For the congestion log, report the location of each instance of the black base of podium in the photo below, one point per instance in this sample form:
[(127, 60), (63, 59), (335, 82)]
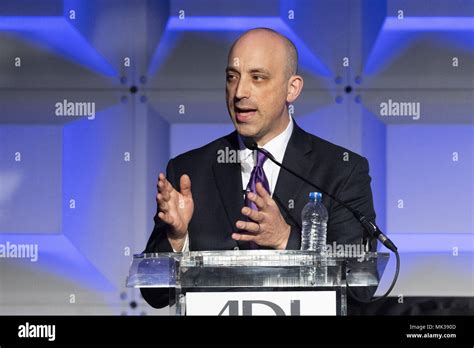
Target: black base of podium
[(412, 306)]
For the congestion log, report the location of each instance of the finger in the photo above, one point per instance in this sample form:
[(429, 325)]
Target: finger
[(259, 202), (167, 185), (248, 226), (159, 185), (185, 185), (161, 177), (243, 237), (160, 198), (165, 195), (262, 192), (165, 218), (253, 214), (163, 185), (163, 206)]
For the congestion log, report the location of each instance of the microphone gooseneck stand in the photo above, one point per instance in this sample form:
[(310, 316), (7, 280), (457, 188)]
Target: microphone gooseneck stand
[(370, 226)]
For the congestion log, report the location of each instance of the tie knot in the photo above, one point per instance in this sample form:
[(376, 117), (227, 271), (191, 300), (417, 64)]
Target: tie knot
[(261, 158)]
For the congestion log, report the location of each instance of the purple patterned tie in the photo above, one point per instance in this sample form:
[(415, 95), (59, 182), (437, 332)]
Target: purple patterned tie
[(257, 175)]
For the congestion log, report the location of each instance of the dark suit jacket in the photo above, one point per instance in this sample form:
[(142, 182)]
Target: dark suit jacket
[(218, 198)]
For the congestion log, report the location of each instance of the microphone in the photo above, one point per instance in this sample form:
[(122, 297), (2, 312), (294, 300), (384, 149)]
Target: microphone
[(368, 225)]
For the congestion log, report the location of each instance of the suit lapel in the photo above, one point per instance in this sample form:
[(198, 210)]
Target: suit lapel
[(288, 187), (228, 179)]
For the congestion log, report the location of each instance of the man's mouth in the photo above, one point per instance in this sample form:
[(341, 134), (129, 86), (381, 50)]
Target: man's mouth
[(244, 114)]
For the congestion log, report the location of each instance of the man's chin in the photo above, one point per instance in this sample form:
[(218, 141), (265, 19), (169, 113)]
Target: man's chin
[(246, 130)]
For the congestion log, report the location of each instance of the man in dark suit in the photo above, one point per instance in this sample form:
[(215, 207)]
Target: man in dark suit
[(214, 214)]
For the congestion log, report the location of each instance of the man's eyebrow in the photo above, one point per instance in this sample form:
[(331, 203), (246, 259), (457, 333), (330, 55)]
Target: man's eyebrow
[(251, 71), (259, 70), (231, 68)]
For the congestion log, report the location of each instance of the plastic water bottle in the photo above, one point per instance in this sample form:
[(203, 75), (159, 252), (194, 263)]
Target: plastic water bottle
[(314, 218)]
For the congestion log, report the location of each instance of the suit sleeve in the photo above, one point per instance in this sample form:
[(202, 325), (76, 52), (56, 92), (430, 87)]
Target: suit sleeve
[(158, 242), (343, 227), (294, 240)]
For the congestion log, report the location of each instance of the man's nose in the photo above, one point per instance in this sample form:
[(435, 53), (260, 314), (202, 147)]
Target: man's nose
[(242, 91)]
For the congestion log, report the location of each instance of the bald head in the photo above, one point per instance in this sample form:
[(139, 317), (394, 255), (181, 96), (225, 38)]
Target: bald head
[(270, 35), (261, 82)]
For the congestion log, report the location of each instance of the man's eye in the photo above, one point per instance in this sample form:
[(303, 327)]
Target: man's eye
[(258, 78), (231, 77)]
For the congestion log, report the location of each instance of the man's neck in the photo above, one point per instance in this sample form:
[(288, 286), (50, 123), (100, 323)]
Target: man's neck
[(268, 137)]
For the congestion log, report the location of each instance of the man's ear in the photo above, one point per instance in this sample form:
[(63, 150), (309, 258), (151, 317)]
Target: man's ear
[(295, 85)]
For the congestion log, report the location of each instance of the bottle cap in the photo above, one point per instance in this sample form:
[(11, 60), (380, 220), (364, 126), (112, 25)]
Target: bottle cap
[(315, 196)]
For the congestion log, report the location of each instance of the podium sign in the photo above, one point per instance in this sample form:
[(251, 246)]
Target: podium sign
[(257, 282), (248, 303)]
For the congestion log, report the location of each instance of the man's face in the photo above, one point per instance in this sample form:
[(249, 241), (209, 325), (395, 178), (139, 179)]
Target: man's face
[(257, 86)]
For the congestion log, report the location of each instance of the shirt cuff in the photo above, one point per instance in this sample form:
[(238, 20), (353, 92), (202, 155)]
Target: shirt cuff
[(185, 245)]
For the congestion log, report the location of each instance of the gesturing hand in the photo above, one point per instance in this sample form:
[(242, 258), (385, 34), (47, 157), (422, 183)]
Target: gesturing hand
[(176, 208), (267, 228)]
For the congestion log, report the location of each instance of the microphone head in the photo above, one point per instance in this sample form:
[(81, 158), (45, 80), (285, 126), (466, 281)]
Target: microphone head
[(249, 143), (252, 145)]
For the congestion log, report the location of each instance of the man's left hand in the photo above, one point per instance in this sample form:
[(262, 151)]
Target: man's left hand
[(267, 228)]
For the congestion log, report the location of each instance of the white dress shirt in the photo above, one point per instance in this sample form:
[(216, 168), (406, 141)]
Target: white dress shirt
[(277, 147)]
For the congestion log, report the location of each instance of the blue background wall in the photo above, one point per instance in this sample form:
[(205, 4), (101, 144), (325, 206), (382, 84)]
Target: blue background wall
[(84, 190)]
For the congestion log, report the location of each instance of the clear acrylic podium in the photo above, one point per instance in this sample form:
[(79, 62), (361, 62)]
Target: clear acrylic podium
[(256, 270)]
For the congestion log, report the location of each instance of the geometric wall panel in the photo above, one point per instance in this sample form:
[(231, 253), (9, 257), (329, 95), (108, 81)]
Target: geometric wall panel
[(197, 135), (30, 179), (430, 173), (84, 190)]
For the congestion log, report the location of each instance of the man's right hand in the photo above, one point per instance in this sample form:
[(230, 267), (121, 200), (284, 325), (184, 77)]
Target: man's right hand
[(176, 208)]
